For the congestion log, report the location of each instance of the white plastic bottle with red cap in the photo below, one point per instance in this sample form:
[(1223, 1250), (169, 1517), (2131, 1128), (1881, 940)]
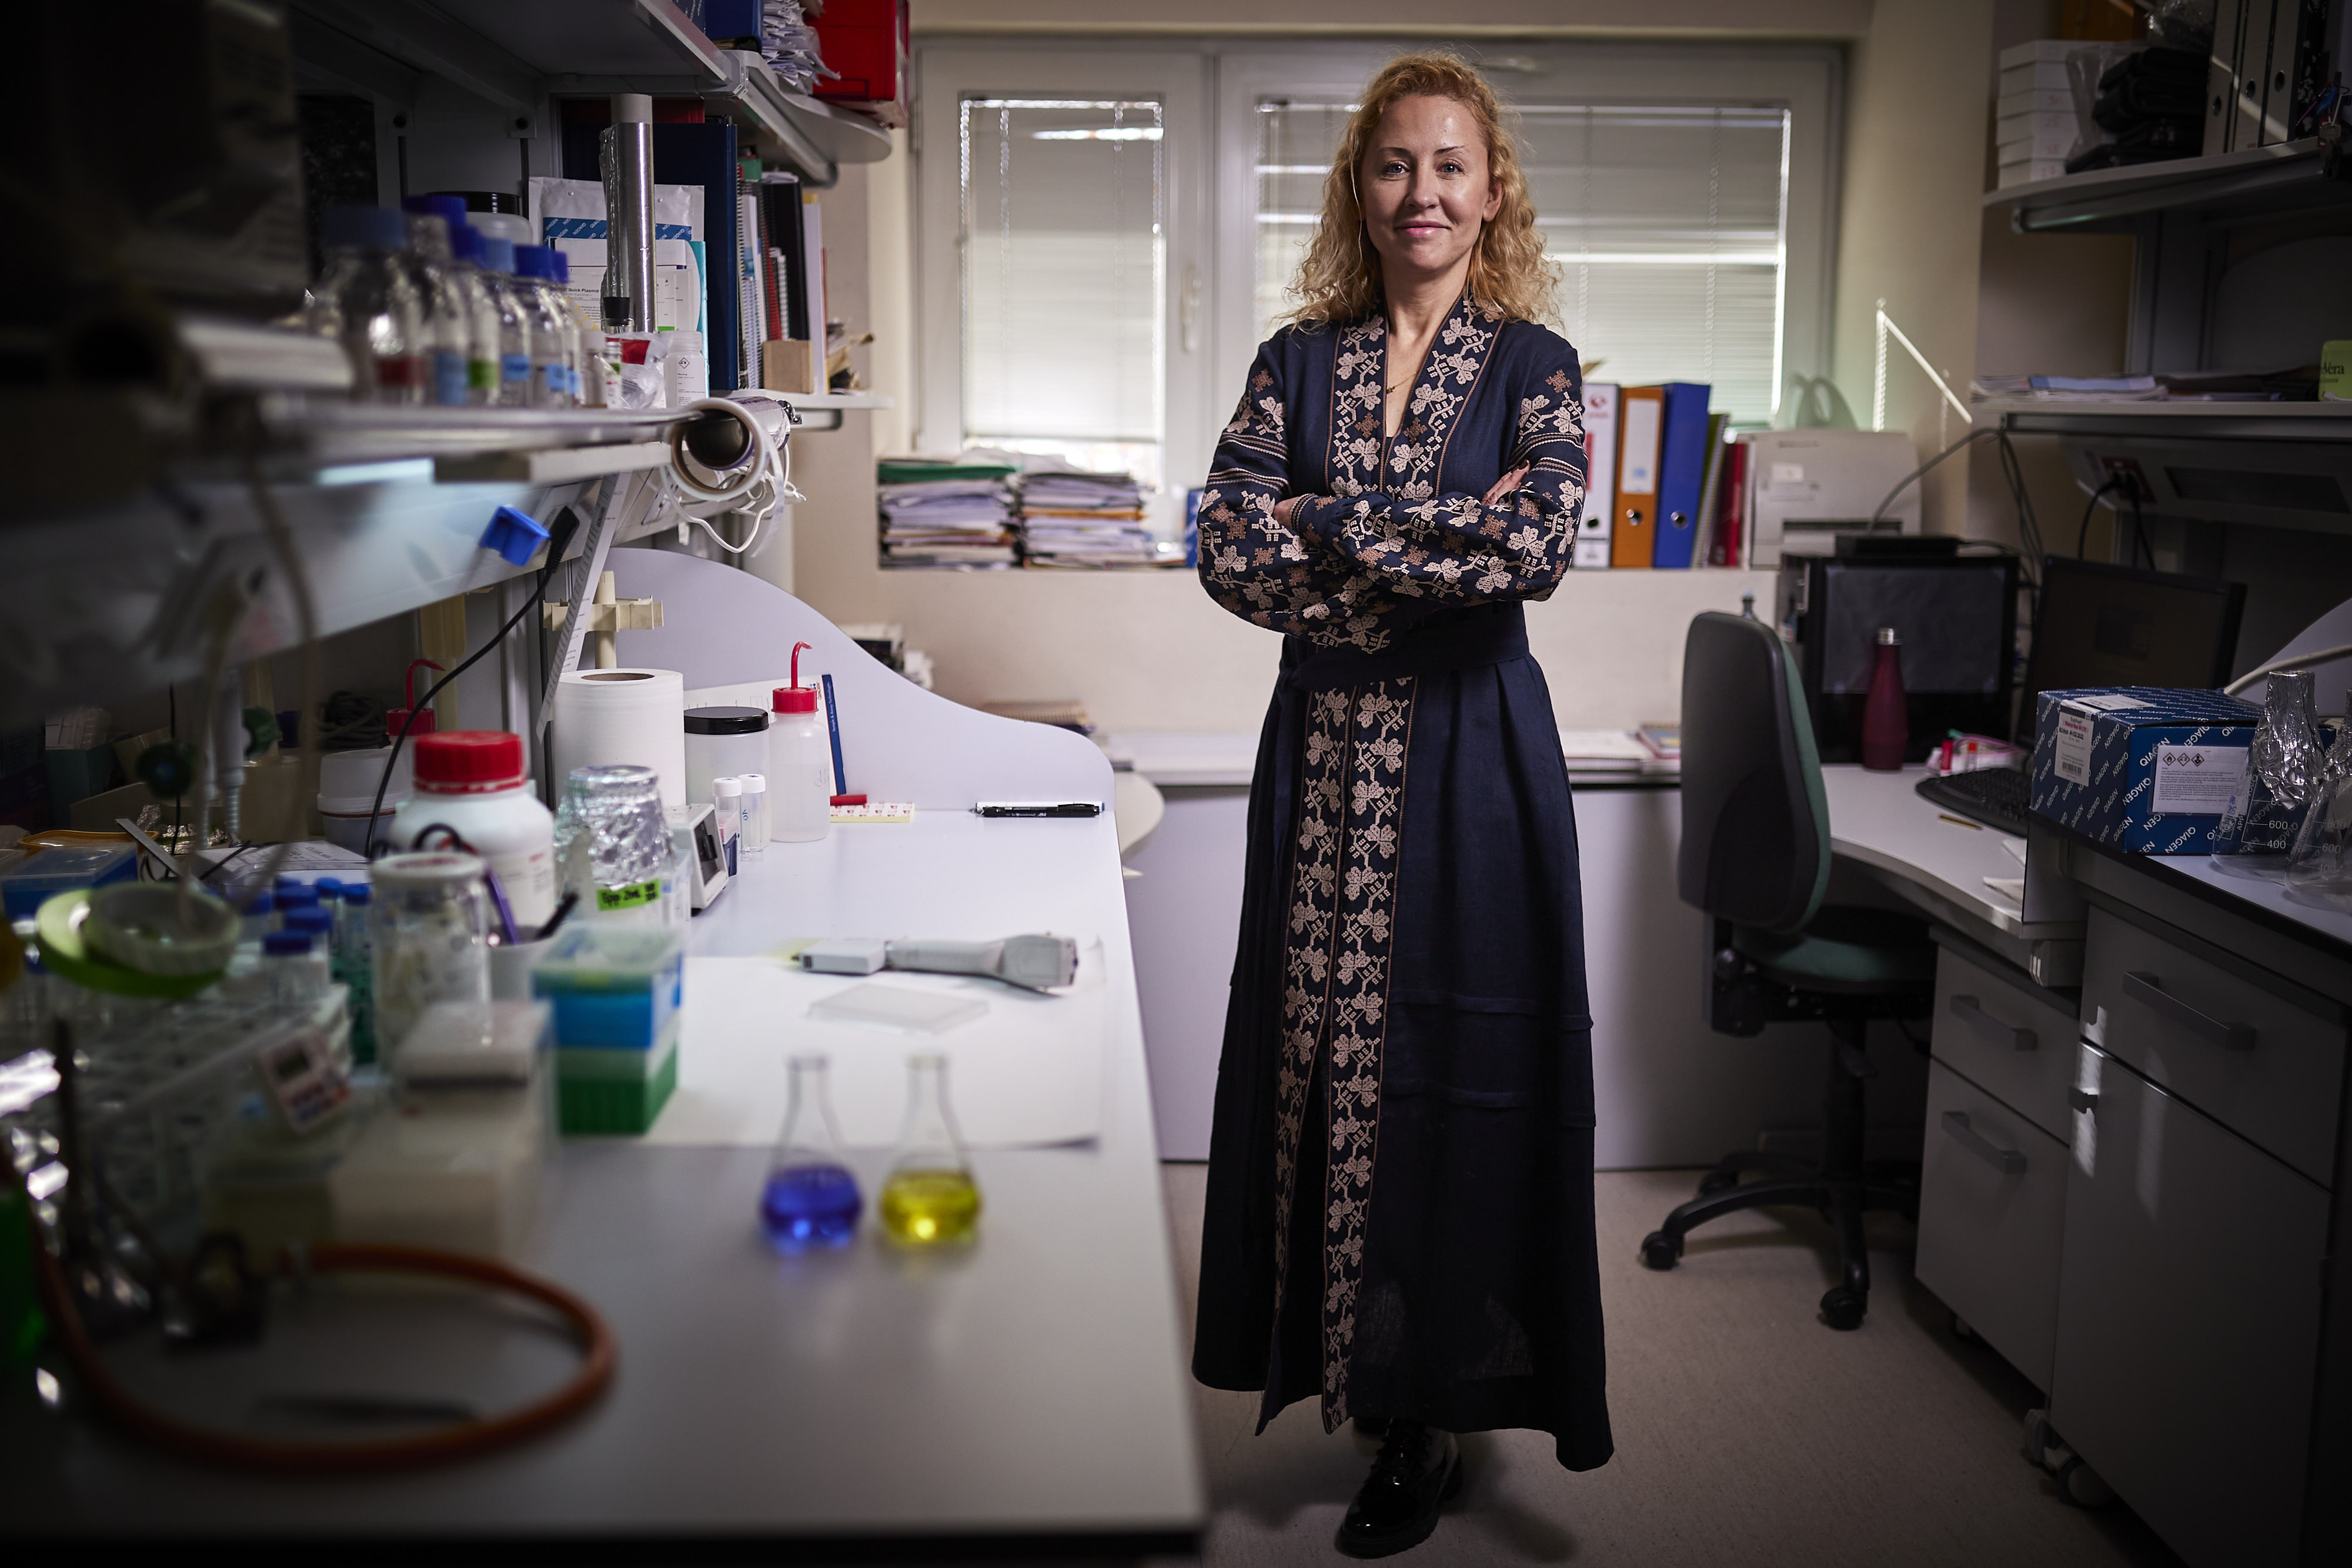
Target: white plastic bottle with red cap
[(800, 765), (473, 782)]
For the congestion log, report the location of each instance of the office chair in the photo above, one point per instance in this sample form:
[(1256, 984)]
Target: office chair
[(1756, 858)]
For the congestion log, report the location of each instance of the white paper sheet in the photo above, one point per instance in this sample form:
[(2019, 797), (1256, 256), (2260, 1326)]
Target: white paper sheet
[(1027, 1073)]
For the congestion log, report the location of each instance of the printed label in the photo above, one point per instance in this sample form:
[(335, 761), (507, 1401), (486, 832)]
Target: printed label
[(448, 378), (515, 367), (2073, 751), (631, 896), (2198, 781)]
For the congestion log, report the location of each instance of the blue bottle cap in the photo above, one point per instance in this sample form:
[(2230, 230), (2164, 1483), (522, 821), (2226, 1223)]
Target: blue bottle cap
[(297, 898), (562, 264), (287, 943), (357, 893), (451, 209), (379, 227), (530, 261), (329, 887), (498, 255), (465, 243), (516, 536), (311, 922), (288, 884)]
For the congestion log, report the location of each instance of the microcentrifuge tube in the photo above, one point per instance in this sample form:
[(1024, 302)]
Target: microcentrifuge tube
[(811, 1201)]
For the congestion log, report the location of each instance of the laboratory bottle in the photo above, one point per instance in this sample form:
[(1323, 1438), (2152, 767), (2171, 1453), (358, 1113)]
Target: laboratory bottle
[(296, 975), (448, 320), (473, 782), (514, 323), (550, 363), (753, 835), (613, 844), (2257, 832), (810, 1199), (1885, 726), (930, 1198), (799, 764), (429, 926), (575, 346), (366, 300), (482, 364)]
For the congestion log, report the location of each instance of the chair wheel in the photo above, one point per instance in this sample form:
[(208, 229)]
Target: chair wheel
[(1718, 1181), (1660, 1251), (1842, 1309), (2080, 1486)]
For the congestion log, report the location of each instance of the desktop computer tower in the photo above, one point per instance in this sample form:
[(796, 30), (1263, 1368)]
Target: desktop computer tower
[(1957, 617)]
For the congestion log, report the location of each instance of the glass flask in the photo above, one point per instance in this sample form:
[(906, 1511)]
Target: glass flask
[(811, 1201), (613, 844), (2256, 833), (930, 1198), (2319, 867)]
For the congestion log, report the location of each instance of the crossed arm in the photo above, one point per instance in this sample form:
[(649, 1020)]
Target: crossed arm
[(1350, 569)]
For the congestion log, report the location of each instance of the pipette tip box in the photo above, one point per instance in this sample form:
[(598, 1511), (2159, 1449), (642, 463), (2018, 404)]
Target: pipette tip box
[(615, 991)]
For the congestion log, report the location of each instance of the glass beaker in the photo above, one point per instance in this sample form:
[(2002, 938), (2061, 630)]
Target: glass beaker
[(930, 1198), (429, 926), (2319, 867), (613, 844), (2282, 767), (810, 1199)]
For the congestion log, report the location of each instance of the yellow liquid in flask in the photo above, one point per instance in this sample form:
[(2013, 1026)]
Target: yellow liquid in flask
[(928, 1209)]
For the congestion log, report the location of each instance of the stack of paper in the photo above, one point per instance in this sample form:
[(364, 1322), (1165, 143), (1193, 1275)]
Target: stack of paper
[(1070, 518), (946, 514)]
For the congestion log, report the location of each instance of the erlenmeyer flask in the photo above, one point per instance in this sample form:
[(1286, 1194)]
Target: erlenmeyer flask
[(2319, 867), (2255, 835), (930, 1198), (810, 1199)]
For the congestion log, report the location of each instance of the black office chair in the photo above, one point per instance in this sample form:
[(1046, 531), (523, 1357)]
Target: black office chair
[(1756, 858)]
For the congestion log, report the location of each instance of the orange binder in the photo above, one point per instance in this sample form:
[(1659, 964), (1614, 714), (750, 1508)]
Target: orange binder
[(1640, 418)]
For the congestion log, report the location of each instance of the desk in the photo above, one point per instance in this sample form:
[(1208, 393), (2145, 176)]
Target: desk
[(1027, 1396)]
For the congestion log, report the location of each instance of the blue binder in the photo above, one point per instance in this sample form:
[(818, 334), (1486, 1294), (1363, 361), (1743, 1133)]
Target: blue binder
[(1682, 473)]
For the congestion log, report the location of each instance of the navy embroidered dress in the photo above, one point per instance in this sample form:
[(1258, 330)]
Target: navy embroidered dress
[(1400, 1198)]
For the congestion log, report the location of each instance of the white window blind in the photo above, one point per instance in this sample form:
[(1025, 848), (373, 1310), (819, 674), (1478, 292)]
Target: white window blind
[(1668, 226), (1064, 279)]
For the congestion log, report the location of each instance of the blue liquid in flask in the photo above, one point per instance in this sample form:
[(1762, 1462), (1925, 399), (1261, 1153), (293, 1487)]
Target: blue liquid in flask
[(806, 1208)]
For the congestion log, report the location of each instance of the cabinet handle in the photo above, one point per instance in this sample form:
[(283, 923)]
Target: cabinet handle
[(1966, 1010), (2011, 1161), (2148, 989)]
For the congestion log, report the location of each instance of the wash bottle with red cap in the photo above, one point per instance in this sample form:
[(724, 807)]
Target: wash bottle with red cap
[(800, 765)]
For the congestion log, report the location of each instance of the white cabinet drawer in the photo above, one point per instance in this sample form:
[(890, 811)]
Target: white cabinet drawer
[(2004, 1037), (1992, 1212), (2255, 1062)]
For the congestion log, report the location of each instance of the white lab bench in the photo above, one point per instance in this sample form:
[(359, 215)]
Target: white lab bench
[(1027, 1396)]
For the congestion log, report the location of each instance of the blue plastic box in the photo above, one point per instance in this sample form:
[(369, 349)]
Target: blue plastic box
[(612, 987), (2146, 769), (28, 883)]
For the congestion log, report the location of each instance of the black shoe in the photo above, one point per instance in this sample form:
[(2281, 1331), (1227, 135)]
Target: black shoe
[(1419, 1470)]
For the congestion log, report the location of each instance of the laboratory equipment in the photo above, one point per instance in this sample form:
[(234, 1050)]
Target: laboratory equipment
[(702, 872), (1034, 962), (626, 157), (428, 926), (800, 765), (615, 991), (810, 1199), (308, 1081), (549, 321), (726, 820), (611, 842), (28, 884), (351, 960), (473, 782), (498, 266), (366, 300), (754, 832), (930, 1198), (723, 742), (447, 311), (149, 928), (1886, 732), (483, 367), (2319, 866), (294, 974), (2258, 827)]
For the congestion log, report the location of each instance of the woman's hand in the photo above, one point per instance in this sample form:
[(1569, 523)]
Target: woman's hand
[(1504, 485), (1287, 508)]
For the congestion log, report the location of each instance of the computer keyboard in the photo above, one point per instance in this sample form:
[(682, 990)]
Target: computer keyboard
[(1993, 796)]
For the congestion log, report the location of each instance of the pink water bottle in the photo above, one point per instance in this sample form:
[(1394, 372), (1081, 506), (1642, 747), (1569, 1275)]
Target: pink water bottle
[(1885, 728)]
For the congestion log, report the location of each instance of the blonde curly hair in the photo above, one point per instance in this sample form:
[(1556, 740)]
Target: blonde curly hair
[(1339, 279)]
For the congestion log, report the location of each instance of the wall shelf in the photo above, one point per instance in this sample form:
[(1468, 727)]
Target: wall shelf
[(2330, 422), (2260, 181)]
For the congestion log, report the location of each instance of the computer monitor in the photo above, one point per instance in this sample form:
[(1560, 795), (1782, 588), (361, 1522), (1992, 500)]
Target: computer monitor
[(2100, 625)]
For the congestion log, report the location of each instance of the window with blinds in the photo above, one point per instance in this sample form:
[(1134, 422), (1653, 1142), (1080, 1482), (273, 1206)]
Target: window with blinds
[(1064, 279), (1667, 226)]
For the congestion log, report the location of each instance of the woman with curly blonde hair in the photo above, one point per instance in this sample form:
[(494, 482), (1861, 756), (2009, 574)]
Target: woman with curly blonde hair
[(1400, 1204)]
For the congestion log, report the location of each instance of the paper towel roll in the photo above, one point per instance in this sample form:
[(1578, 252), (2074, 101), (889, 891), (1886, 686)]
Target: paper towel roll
[(604, 716)]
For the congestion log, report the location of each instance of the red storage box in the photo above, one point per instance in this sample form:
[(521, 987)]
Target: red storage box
[(865, 42)]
